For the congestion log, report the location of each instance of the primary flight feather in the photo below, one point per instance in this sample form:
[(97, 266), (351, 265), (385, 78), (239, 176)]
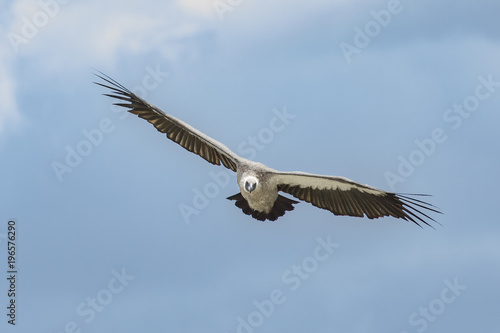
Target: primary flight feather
[(259, 185)]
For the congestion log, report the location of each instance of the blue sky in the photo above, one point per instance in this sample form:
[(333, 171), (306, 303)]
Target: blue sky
[(402, 95)]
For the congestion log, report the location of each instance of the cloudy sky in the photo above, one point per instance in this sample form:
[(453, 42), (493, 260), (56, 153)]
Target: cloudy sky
[(119, 229)]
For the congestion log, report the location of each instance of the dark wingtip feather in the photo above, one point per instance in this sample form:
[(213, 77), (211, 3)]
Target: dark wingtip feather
[(416, 208), (109, 80)]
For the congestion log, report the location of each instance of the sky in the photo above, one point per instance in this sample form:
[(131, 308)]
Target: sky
[(119, 229)]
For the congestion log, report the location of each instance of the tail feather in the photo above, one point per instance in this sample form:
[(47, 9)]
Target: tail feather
[(281, 206)]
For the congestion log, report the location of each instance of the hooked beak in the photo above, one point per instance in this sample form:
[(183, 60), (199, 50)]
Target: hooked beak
[(250, 186)]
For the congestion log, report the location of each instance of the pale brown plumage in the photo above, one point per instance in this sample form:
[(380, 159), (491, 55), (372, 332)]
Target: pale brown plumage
[(339, 195)]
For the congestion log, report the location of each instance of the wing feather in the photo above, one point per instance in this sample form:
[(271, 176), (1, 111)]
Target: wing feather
[(176, 130), (342, 196)]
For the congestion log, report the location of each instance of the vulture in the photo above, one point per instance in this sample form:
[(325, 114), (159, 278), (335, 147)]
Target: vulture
[(260, 185)]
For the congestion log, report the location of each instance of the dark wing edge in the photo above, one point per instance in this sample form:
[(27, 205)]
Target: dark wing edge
[(342, 196), (176, 130)]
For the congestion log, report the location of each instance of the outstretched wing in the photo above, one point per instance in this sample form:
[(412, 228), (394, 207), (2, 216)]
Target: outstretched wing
[(342, 196), (176, 130)]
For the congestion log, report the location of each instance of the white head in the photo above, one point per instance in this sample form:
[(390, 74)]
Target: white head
[(250, 183)]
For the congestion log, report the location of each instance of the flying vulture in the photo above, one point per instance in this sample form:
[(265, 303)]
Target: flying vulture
[(259, 185)]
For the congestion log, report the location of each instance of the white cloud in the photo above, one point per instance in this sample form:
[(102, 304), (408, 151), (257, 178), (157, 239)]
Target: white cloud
[(70, 37), (9, 113), (197, 7), (96, 35)]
